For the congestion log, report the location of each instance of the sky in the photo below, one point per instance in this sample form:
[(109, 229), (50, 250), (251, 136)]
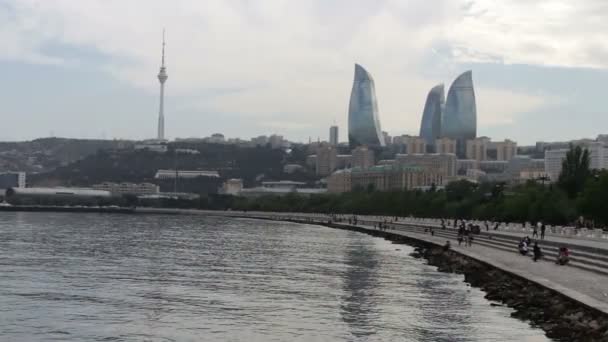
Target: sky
[(87, 68)]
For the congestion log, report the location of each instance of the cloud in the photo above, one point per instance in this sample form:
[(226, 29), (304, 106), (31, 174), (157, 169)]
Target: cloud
[(295, 58)]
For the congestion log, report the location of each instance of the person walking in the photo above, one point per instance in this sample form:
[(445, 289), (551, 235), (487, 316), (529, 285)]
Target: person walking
[(467, 236), (537, 252), (542, 231), (535, 230), (460, 235)]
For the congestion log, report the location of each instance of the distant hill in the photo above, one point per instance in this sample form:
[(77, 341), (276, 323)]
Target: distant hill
[(252, 164), (46, 154)]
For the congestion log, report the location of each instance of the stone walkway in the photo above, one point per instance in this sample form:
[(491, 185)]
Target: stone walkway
[(573, 241)]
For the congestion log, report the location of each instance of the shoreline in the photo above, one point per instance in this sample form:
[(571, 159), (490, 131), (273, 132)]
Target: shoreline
[(562, 317), (564, 314)]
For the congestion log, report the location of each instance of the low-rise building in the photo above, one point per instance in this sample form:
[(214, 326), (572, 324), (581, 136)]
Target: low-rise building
[(363, 157), (503, 150), (445, 145), (12, 180), (384, 178), (232, 186), (327, 160), (463, 165), (128, 188), (444, 164), (280, 188), (172, 174), (477, 149)]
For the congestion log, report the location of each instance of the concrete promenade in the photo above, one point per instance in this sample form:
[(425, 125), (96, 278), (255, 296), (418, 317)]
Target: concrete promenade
[(587, 287)]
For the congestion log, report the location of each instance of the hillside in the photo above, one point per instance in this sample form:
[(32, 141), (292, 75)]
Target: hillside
[(252, 164), (46, 154)]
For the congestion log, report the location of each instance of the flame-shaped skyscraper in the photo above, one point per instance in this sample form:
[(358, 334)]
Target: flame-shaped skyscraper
[(162, 77), (363, 123)]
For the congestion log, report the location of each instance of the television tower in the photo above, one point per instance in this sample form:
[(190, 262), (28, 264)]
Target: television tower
[(162, 77)]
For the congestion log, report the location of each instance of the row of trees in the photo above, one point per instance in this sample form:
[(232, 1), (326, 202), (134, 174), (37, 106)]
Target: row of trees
[(578, 192)]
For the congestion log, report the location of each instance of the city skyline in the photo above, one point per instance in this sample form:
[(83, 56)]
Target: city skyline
[(84, 69)]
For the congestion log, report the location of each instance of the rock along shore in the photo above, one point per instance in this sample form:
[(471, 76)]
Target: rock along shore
[(562, 318)]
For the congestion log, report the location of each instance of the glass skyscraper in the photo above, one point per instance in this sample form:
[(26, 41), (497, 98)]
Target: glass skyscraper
[(459, 119), (363, 123), (430, 127)]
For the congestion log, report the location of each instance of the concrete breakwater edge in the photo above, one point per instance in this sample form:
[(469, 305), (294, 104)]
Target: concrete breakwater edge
[(561, 317)]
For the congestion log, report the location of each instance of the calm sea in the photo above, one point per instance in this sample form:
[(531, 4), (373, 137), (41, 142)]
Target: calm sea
[(103, 277)]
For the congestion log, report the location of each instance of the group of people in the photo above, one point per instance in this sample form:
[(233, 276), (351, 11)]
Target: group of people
[(465, 234), (524, 247), (563, 256)]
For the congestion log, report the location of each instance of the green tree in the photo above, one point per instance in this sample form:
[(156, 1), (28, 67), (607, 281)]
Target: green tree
[(575, 171), (593, 199)]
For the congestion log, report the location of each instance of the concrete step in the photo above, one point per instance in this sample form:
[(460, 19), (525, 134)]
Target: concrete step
[(576, 257)]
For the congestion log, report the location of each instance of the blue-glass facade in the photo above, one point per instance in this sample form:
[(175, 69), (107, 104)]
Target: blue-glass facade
[(430, 127), (459, 119), (363, 123)]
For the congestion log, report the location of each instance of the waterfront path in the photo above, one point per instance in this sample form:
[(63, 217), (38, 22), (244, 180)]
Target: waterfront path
[(587, 287)]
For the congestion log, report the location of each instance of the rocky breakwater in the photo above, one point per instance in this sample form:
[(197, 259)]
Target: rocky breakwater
[(562, 318)]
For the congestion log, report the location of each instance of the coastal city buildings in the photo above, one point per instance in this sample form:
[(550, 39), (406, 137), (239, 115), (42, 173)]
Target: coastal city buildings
[(430, 126), (459, 119), (363, 122), (363, 157), (333, 135), (445, 145), (12, 180), (128, 188), (384, 178), (477, 149), (414, 145), (327, 160), (232, 186), (186, 174)]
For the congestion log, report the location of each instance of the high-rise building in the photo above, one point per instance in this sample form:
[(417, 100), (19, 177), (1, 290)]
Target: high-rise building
[(363, 157), (327, 160), (445, 145), (553, 162), (162, 77), (598, 159), (333, 135), (430, 126), (363, 123), (388, 140), (459, 119), (477, 149)]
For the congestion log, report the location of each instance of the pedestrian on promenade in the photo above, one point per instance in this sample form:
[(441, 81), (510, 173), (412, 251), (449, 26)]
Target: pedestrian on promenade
[(460, 235), (447, 246), (535, 229), (496, 226), (537, 252), (523, 247), (467, 236), (542, 231), (563, 256)]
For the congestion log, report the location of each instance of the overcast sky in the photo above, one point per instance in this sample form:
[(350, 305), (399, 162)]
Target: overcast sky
[(87, 68)]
